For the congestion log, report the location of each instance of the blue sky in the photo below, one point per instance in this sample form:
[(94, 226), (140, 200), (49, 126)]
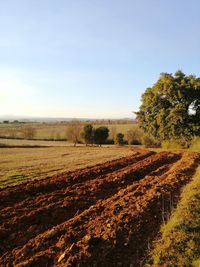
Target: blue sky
[(91, 58)]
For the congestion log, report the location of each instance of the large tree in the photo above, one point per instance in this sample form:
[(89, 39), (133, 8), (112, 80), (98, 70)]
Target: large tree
[(171, 107)]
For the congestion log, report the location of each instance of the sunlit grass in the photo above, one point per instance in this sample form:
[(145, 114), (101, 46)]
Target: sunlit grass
[(180, 241)]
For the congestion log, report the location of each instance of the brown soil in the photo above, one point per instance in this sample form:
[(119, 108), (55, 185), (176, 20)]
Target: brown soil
[(105, 215)]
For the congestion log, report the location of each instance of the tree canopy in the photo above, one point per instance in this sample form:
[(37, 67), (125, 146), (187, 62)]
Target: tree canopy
[(119, 139), (171, 107), (88, 133), (100, 135)]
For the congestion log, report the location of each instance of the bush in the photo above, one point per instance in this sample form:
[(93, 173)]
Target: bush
[(109, 142), (149, 141), (175, 144), (170, 144), (134, 136), (119, 139)]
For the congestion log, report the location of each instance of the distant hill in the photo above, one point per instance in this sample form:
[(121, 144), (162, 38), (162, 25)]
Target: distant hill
[(51, 119)]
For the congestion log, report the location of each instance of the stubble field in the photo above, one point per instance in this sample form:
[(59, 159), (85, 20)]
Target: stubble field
[(22, 164)]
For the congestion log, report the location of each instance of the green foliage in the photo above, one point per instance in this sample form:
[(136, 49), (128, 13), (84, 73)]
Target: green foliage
[(171, 108), (100, 135), (175, 144), (193, 145), (119, 139), (88, 134), (171, 144)]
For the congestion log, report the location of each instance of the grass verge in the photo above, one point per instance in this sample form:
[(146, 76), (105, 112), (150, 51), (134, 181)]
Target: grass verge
[(179, 244)]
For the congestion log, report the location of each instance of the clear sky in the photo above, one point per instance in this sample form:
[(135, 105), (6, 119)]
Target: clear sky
[(91, 58)]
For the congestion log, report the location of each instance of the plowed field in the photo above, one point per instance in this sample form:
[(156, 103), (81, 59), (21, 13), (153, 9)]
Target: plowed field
[(105, 215)]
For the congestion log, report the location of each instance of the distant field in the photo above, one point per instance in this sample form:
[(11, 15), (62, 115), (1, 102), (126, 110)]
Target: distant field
[(45, 143), (21, 164), (55, 131)]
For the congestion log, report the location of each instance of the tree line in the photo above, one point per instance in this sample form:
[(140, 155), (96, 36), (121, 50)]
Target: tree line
[(88, 134), (91, 135)]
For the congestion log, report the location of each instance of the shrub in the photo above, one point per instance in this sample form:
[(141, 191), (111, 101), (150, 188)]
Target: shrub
[(134, 136), (170, 144), (149, 141), (175, 144), (119, 139), (109, 142)]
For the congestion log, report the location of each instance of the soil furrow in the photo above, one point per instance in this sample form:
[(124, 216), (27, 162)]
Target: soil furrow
[(44, 198), (114, 232), (117, 220), (11, 195), (58, 197), (85, 195)]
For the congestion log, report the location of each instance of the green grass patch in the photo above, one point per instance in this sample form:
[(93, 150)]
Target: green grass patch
[(179, 244)]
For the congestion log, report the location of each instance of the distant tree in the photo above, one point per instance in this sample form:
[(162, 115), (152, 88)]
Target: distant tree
[(88, 134), (28, 132), (6, 122), (119, 139), (73, 132), (171, 108), (100, 135)]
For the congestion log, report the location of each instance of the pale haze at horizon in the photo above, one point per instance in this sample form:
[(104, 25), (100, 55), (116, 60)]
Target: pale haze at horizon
[(91, 59)]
